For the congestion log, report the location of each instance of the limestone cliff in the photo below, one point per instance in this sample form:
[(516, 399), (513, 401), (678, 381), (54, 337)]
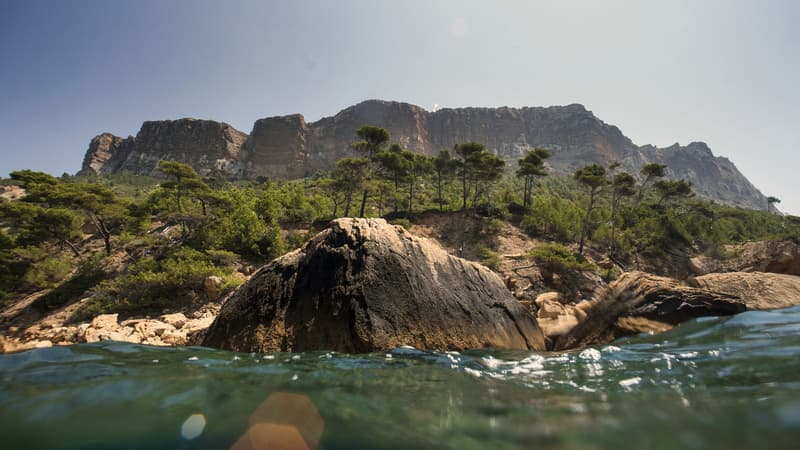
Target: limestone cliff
[(290, 147), (213, 148)]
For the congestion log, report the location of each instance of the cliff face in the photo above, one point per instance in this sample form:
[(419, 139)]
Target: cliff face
[(289, 147), (210, 147)]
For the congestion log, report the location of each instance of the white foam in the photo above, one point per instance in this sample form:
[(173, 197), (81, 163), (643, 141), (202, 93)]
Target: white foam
[(629, 382), (473, 372), (591, 354)]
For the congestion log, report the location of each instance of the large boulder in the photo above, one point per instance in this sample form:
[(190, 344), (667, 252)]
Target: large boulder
[(656, 302), (363, 285), (758, 290)]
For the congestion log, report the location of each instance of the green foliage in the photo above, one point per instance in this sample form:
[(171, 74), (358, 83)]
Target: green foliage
[(179, 230), (88, 275), (673, 189), (489, 257), (44, 271), (492, 226), (372, 140), (530, 166), (402, 221), (553, 218), (152, 284), (558, 259)]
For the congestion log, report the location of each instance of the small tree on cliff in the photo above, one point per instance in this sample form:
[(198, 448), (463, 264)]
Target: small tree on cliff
[(350, 175), (530, 166), (469, 153), (444, 167), (650, 171), (184, 180), (373, 139), (673, 189), (395, 166), (594, 178), (623, 184), (418, 165), (99, 205), (488, 168), (33, 224), (770, 201)]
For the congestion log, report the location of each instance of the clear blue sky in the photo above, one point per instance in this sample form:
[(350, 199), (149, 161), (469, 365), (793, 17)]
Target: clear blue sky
[(724, 72)]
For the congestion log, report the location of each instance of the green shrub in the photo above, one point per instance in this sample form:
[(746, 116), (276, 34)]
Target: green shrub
[(88, 275), (492, 226), (558, 259), (153, 284), (553, 218), (402, 221), (47, 272), (489, 257)]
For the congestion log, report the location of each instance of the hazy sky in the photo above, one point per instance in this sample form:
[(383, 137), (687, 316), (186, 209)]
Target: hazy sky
[(723, 72)]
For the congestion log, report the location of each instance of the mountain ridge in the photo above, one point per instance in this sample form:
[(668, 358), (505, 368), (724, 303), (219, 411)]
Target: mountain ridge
[(290, 147)]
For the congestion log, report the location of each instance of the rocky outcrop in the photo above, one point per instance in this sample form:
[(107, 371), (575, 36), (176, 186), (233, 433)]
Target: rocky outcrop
[(758, 256), (173, 329), (363, 285), (654, 303), (212, 148), (712, 177), (757, 290), (277, 148), (288, 147)]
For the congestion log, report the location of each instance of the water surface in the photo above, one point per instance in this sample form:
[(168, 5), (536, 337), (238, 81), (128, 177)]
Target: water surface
[(723, 383)]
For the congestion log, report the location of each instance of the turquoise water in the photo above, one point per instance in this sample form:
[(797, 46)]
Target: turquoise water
[(723, 383)]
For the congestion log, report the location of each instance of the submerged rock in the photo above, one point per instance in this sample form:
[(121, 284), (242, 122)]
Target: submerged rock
[(363, 285), (758, 290), (662, 302)]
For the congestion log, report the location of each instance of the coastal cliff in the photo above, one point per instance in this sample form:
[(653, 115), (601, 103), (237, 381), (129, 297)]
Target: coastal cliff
[(290, 147)]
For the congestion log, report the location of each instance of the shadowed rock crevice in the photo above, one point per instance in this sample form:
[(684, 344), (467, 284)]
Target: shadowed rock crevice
[(640, 302), (364, 285)]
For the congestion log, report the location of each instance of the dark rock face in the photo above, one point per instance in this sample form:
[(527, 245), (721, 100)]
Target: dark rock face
[(363, 285), (645, 298), (288, 147)]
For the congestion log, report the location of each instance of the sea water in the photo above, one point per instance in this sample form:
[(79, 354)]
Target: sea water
[(721, 383)]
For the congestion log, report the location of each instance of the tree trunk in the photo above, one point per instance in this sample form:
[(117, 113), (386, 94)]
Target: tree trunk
[(178, 195), (439, 184), (585, 226), (641, 191), (71, 247), (411, 195), (364, 202), (464, 185), (347, 200), (613, 222), (396, 188)]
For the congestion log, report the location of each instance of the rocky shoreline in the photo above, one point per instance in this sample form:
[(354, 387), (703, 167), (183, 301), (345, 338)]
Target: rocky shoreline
[(363, 285)]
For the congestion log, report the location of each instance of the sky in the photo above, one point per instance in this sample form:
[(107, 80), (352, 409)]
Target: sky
[(723, 72)]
